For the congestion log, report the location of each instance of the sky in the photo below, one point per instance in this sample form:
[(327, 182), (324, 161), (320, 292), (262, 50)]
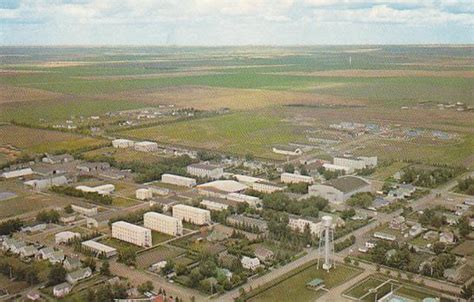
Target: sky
[(235, 22)]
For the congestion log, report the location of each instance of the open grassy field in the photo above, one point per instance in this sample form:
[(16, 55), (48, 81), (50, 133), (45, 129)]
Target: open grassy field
[(239, 133), (294, 288), (41, 141), (157, 254)]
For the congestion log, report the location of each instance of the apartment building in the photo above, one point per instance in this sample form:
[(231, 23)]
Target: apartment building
[(299, 224), (295, 178), (191, 214), (163, 223), (178, 180), (132, 233), (204, 170)]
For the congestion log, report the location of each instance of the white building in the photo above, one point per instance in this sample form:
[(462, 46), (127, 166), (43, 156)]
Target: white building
[(87, 210), (146, 146), (28, 251), (213, 205), (250, 263), (17, 173), (132, 233), (80, 274), (340, 189), (295, 178), (335, 168), (205, 171), (66, 236), (299, 224), (287, 150), (43, 184), (220, 188), (163, 223), (62, 290), (102, 189), (356, 163), (265, 187), (191, 214), (143, 194), (122, 143), (385, 236), (178, 180), (99, 248), (252, 201)]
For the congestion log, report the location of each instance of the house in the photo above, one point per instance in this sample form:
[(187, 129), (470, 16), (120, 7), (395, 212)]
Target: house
[(67, 219), (224, 273), (451, 219), (143, 194), (33, 296), (34, 228), (62, 289), (431, 235), (99, 248), (446, 237), (297, 223), (401, 192), (78, 275), (28, 251), (250, 263), (65, 237), (360, 216), (72, 264), (263, 254), (85, 209), (340, 189), (397, 223), (380, 202), (13, 245), (44, 253), (56, 257), (370, 244), (205, 170), (93, 167)]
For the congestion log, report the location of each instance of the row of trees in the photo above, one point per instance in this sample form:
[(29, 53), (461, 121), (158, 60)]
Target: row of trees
[(362, 200), (466, 186), (10, 226), (48, 216), (92, 196), (25, 273), (279, 201), (429, 178)]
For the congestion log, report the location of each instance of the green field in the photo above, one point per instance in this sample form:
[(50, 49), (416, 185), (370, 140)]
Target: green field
[(239, 133), (294, 288)]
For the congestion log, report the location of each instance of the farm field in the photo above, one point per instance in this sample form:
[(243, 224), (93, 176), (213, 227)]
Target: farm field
[(239, 133), (42, 141), (294, 288)]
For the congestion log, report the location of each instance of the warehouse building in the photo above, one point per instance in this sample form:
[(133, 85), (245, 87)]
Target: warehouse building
[(287, 150), (102, 190), (218, 204), (191, 214), (252, 201), (266, 187), (146, 146), (337, 168), (65, 237), (163, 223), (205, 170), (88, 210), (178, 180), (132, 233), (295, 178), (220, 188), (340, 189), (356, 163), (122, 143), (99, 248), (44, 184), (17, 173)]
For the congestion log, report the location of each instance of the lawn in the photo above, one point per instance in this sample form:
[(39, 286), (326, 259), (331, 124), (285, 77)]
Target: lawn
[(294, 288), (239, 133), (122, 202), (158, 237), (157, 254), (120, 245)]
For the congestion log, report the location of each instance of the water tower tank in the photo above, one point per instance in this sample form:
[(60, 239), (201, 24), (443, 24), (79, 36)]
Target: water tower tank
[(327, 221)]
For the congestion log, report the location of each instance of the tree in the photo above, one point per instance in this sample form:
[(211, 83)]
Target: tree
[(463, 226), (168, 268), (68, 209), (145, 287), (105, 268), (363, 200), (10, 226), (51, 216), (438, 247), (289, 168), (180, 269), (467, 291), (90, 263), (127, 256), (56, 275)]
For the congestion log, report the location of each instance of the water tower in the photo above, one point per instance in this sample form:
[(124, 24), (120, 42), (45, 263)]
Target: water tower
[(326, 243)]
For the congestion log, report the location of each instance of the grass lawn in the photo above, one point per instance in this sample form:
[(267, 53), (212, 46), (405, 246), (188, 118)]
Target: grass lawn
[(119, 245), (294, 288), (238, 133), (382, 173), (124, 202), (157, 254), (158, 237)]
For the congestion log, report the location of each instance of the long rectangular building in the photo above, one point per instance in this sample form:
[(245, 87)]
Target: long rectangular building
[(99, 248), (191, 214), (163, 223), (132, 233), (205, 170), (296, 178), (178, 180)]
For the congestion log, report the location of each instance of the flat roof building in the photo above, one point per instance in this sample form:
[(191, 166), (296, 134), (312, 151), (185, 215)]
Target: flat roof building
[(191, 214), (340, 189), (163, 223), (266, 187), (122, 143), (205, 170), (17, 173), (88, 210), (298, 223), (132, 233), (99, 248), (178, 180), (252, 201), (295, 178), (146, 146)]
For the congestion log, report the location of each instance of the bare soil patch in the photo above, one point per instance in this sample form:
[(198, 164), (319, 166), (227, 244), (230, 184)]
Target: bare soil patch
[(11, 94)]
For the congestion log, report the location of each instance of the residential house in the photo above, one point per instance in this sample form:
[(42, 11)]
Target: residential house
[(446, 237), (263, 254), (28, 251), (78, 275), (397, 223), (250, 263), (72, 264), (62, 289)]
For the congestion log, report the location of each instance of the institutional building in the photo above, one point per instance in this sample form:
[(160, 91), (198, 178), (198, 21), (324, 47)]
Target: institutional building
[(143, 194), (191, 214), (266, 187), (297, 223), (87, 210), (163, 223), (132, 233), (340, 189), (295, 178), (178, 180), (146, 146), (252, 201), (356, 163), (99, 248), (122, 143), (205, 171)]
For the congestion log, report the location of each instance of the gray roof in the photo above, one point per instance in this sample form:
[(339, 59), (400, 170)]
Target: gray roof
[(347, 184), (62, 286), (204, 166)]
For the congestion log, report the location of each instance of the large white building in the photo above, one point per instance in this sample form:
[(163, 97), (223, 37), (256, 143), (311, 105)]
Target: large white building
[(132, 233), (340, 189), (102, 189), (214, 204), (99, 248), (17, 173), (252, 201), (220, 188), (287, 150), (356, 163), (178, 180), (297, 223), (65, 237), (336, 168), (87, 210), (191, 214), (250, 263), (143, 194), (295, 178), (205, 171), (122, 143), (46, 183), (146, 146), (163, 223), (265, 187)]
